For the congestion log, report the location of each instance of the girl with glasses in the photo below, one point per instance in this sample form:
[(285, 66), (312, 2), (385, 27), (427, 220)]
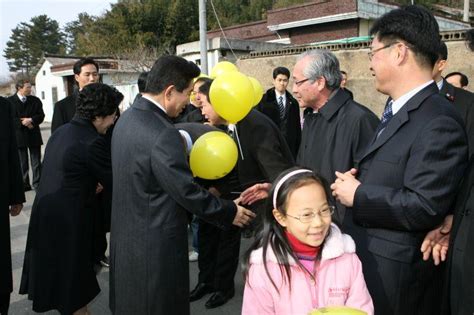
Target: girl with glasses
[(301, 260)]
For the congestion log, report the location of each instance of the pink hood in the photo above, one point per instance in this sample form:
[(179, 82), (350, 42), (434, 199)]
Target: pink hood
[(339, 281)]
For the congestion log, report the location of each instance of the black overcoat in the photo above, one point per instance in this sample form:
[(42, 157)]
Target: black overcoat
[(64, 110), (11, 191), (33, 108), (58, 267)]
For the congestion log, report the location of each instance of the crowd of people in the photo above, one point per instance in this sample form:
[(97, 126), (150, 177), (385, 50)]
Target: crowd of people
[(344, 208)]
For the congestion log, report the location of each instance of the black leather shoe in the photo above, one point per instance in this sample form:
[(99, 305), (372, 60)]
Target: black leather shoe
[(220, 298), (199, 291)]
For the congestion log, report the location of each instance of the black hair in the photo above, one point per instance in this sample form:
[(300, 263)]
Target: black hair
[(464, 80), (414, 25), (83, 62), (273, 234), (343, 72), (205, 87), (171, 70), (281, 70), (97, 100), (141, 82), (21, 83), (442, 51)]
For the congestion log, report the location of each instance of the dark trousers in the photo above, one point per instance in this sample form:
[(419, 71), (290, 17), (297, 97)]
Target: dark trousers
[(218, 255), (35, 158), (4, 303)]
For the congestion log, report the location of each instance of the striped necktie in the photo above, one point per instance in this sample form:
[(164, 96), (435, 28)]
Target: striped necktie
[(281, 107)]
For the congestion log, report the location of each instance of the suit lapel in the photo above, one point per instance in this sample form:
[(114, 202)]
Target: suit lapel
[(400, 118)]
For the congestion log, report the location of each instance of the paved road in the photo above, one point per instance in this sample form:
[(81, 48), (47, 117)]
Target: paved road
[(21, 305)]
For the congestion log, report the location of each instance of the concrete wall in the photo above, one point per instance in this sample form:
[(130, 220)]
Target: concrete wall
[(356, 63)]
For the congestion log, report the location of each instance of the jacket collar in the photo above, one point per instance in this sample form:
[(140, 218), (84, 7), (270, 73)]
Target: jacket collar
[(144, 104), (83, 122), (400, 118), (447, 91), (336, 245), (334, 104)]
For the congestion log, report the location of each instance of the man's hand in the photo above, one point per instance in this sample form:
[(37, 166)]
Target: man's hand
[(255, 193), (436, 242), (243, 216), (15, 209), (99, 188), (345, 186), (27, 122)]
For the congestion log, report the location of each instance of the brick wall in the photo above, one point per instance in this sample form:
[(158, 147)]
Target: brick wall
[(250, 31)]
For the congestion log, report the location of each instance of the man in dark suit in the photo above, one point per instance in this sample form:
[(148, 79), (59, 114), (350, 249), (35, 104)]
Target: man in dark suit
[(462, 100), (86, 71), (282, 108), (27, 116), (11, 198), (407, 178), (457, 79), (152, 189), (344, 82), (336, 129)]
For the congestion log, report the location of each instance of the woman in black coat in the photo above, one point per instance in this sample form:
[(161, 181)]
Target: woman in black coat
[(58, 268)]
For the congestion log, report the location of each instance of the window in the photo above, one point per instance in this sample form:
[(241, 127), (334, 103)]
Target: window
[(54, 91), (44, 72), (42, 95)]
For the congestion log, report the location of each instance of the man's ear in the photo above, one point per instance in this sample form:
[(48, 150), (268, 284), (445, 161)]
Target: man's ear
[(169, 92), (281, 219)]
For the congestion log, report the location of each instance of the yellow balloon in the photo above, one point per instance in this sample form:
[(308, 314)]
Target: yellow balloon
[(258, 90), (232, 96), (221, 68), (213, 155), (337, 310)]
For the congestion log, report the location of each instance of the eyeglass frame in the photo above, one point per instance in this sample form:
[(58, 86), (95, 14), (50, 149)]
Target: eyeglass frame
[(371, 53), (332, 209), (298, 83)]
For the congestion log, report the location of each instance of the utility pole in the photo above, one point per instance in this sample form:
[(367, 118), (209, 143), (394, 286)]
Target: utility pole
[(465, 16), (203, 35)]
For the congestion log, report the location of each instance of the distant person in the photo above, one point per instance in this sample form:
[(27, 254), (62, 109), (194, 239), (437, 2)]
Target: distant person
[(344, 82), (58, 270), (407, 178), (28, 115), (462, 99), (282, 108), (141, 83), (302, 261), (457, 79), (12, 198), (86, 71), (192, 111)]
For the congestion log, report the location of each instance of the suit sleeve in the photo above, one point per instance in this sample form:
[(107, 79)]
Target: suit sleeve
[(38, 115), (17, 194), (172, 172), (435, 165), (100, 162)]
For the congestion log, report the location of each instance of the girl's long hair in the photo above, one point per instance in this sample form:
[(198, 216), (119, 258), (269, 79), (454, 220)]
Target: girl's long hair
[(273, 234)]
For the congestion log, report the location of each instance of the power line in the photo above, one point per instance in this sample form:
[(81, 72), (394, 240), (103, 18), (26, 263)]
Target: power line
[(222, 30)]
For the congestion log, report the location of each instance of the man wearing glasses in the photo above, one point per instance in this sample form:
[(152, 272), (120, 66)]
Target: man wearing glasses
[(407, 178), (336, 129)]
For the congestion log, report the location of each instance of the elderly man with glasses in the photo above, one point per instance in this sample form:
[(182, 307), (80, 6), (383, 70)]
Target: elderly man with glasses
[(336, 129)]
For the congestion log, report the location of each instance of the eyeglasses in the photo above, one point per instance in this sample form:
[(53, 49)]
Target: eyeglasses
[(307, 216), (298, 83), (373, 52)]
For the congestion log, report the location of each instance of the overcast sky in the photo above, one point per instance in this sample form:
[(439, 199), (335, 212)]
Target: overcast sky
[(13, 12)]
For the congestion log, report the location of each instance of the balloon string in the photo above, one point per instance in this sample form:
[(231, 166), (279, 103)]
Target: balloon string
[(236, 133)]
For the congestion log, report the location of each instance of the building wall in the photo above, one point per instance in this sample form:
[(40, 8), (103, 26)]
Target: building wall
[(324, 32), (45, 82), (252, 31), (356, 63)]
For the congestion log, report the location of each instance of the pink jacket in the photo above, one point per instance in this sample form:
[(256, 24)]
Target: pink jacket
[(339, 281)]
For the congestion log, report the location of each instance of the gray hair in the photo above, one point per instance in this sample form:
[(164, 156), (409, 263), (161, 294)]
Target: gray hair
[(323, 63)]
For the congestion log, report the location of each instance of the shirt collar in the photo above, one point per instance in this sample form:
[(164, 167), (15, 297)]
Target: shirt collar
[(154, 102), (398, 104), (440, 84), (277, 94)]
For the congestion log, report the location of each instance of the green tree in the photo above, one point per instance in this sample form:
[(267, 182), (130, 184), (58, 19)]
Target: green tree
[(29, 41)]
